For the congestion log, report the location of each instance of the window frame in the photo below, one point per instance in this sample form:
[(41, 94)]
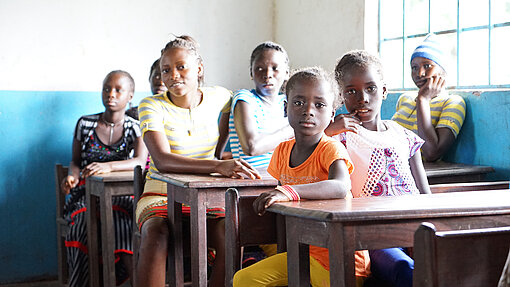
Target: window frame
[(458, 31)]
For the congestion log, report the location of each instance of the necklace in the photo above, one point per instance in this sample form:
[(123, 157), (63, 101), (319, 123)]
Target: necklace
[(112, 125)]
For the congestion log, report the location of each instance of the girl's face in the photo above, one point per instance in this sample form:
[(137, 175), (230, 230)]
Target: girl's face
[(157, 85), (310, 107), (423, 69), (180, 71), (269, 71), (117, 92), (363, 92)]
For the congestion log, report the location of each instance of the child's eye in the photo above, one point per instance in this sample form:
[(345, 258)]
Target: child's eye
[(276, 68), (181, 67), (320, 105), (258, 69), (371, 89), (350, 92), (106, 89), (427, 66), (414, 68), (164, 71), (298, 103)]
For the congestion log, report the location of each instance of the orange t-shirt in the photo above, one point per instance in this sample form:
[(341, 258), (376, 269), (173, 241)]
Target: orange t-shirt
[(315, 168)]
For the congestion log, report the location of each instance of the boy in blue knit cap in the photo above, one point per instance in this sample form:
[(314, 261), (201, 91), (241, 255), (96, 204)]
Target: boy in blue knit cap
[(432, 113)]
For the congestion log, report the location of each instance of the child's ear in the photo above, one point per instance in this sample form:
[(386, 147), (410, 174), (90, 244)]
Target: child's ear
[(285, 108), (385, 92), (200, 69)]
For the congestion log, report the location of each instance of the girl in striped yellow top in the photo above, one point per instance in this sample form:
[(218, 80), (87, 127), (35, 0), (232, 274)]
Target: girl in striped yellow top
[(180, 129)]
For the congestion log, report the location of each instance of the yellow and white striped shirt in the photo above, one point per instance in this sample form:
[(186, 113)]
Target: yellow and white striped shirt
[(446, 111), (190, 132)]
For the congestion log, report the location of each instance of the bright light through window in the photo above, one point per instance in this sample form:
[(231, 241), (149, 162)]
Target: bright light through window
[(475, 35)]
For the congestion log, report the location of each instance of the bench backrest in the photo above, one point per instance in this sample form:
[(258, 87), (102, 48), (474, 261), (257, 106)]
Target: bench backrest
[(459, 258)]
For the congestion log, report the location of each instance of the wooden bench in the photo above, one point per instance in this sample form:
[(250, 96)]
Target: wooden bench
[(465, 258), (62, 225), (469, 186), (243, 227)]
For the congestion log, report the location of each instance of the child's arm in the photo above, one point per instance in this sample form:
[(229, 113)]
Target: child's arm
[(437, 141), (251, 140), (337, 185), (223, 138), (139, 158), (343, 123), (166, 161), (418, 172), (73, 176)]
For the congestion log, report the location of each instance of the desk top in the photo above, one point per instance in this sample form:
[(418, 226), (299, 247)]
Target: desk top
[(213, 180), (114, 176), (441, 168), (487, 202)]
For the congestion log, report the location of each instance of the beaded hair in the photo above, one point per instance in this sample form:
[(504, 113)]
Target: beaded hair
[(356, 59), (126, 74), (188, 43), (315, 74)]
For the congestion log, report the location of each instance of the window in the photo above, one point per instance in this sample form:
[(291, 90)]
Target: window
[(475, 34)]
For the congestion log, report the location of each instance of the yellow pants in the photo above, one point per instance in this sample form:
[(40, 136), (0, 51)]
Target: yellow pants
[(272, 271)]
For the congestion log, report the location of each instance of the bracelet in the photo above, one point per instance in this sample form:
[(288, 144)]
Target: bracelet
[(289, 191)]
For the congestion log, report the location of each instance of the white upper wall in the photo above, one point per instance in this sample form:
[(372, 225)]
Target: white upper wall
[(319, 32), (58, 45)]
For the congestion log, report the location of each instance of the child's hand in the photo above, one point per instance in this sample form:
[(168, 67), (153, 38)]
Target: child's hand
[(343, 123), (432, 87), (236, 168), (96, 168), (267, 199), (68, 183)]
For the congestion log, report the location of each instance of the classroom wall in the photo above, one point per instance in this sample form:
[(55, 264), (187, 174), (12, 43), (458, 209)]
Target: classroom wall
[(54, 55)]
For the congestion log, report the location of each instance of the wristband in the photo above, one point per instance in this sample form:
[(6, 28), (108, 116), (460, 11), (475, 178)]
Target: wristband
[(289, 191)]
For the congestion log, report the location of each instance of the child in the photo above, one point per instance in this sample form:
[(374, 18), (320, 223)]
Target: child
[(104, 142), (311, 166), (433, 114), (257, 119), (157, 87), (180, 129), (385, 154)]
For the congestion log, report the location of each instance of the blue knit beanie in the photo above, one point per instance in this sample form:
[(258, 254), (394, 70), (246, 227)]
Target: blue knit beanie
[(431, 49)]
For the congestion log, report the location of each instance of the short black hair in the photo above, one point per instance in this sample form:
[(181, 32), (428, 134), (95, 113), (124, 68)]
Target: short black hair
[(315, 74), (131, 80), (356, 59)]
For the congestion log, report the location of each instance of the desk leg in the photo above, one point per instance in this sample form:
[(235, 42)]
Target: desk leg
[(198, 239), (175, 261), (92, 243), (107, 237), (298, 256), (341, 257)]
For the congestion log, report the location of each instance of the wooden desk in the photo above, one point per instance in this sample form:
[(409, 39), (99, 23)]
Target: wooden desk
[(446, 172), (103, 187), (346, 225), (199, 192)]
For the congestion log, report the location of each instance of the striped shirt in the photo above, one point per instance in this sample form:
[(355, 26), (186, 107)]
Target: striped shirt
[(267, 120), (446, 111), (190, 132)]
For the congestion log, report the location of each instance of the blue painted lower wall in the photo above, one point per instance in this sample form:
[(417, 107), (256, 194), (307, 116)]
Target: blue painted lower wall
[(36, 130)]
